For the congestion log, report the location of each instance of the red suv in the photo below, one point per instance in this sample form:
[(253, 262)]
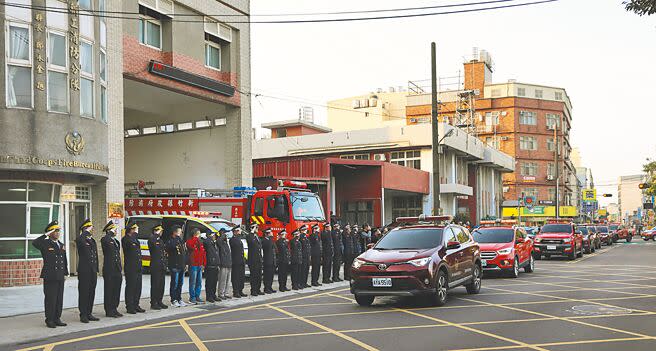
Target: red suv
[(559, 239), (621, 232), (421, 256), (505, 248)]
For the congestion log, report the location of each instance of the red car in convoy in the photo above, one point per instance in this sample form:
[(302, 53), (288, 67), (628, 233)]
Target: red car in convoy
[(620, 232), (648, 234), (559, 238), (422, 256), (504, 248), (605, 235)]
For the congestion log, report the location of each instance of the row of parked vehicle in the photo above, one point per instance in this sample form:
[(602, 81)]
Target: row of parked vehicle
[(573, 240)]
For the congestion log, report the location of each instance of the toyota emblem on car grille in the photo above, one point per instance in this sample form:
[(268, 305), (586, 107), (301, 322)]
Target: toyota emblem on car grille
[(382, 267)]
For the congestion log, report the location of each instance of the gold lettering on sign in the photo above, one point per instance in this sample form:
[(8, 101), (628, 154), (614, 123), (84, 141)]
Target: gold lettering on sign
[(60, 162), (39, 27), (75, 67), (39, 69), (39, 58), (75, 84), (39, 44), (74, 40), (40, 85), (75, 52), (39, 17)]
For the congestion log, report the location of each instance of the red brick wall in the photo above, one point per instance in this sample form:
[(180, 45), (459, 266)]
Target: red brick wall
[(135, 66), (17, 273)]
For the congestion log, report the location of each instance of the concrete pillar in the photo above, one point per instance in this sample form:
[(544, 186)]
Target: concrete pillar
[(238, 160)]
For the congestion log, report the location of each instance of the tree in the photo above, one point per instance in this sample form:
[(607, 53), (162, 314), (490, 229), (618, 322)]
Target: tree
[(641, 7), (650, 169)]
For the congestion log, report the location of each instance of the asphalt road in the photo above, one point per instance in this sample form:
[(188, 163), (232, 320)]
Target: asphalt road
[(604, 301)]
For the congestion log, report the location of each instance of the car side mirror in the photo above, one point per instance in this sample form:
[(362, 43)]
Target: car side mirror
[(452, 245), (369, 246)]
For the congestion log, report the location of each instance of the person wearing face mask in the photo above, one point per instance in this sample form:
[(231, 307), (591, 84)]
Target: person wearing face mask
[(196, 262), (177, 254), (112, 270), (132, 254), (53, 273), (269, 260), (296, 259), (284, 256), (305, 263), (255, 260), (87, 270), (238, 276), (212, 266), (157, 251), (225, 265)]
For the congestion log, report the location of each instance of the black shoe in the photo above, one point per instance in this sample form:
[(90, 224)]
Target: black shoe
[(294, 287), (254, 293), (140, 310), (242, 294), (226, 297), (50, 324), (93, 318), (236, 295), (155, 307), (112, 315), (132, 311), (316, 284), (59, 323), (118, 314), (84, 319), (163, 306), (210, 300)]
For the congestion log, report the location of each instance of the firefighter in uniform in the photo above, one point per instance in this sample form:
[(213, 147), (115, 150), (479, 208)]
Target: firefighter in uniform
[(212, 266), (112, 270), (305, 263), (87, 270), (283, 260), (338, 252), (269, 260), (132, 253), (296, 259), (327, 253), (255, 260), (315, 254), (53, 273), (238, 264), (349, 251), (158, 263)]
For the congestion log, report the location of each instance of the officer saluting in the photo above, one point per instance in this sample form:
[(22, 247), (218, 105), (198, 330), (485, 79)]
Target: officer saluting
[(87, 270), (269, 260), (284, 256), (132, 252), (255, 260), (315, 254), (338, 248), (327, 253), (238, 263), (53, 273), (296, 259), (158, 254), (112, 270)]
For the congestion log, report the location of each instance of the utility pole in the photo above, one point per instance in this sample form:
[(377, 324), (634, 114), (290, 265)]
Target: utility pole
[(556, 148), (437, 210)]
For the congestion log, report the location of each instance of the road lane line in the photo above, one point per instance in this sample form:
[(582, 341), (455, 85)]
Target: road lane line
[(192, 335), (563, 343)]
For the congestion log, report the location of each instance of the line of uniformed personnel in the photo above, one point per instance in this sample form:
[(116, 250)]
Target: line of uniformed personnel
[(308, 254)]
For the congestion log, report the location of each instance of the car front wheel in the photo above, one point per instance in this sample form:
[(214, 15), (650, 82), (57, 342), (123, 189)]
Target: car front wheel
[(531, 265), (475, 286), (364, 300), (514, 273), (441, 289)]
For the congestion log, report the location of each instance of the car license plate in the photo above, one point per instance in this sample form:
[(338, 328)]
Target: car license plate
[(381, 282), (551, 247), (484, 263)]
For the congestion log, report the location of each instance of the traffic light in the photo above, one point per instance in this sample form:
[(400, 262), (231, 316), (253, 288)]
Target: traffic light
[(608, 195), (643, 186)]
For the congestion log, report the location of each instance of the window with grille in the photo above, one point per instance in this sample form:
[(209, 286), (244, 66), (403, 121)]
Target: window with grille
[(359, 212), (528, 117), (552, 120), (410, 159), (406, 206), (528, 143), (529, 169)]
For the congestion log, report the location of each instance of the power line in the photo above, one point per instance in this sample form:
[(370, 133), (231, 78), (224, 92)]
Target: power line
[(299, 21)]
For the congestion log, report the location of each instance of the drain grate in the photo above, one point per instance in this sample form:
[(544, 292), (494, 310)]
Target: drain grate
[(599, 310)]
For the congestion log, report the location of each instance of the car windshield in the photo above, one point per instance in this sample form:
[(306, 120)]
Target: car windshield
[(584, 230), (613, 227), (603, 229), (557, 228), (411, 239), (486, 236), (307, 206), (221, 225)]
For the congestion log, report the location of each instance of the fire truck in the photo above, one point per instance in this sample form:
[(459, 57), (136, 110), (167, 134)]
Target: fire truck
[(289, 206)]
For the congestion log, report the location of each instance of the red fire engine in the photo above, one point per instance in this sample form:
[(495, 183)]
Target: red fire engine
[(289, 206)]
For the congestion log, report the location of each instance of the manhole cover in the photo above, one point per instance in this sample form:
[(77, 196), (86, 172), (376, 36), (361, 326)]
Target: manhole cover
[(598, 309)]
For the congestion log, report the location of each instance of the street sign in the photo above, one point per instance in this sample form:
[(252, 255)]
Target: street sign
[(529, 201), (602, 212), (589, 194)]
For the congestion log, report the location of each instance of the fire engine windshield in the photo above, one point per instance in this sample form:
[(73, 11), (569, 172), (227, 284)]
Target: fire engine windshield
[(307, 207)]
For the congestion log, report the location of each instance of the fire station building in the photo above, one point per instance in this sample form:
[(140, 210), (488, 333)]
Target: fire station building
[(375, 175)]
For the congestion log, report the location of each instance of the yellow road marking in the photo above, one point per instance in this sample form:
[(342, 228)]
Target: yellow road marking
[(192, 335), (323, 327), (563, 343), (132, 347)]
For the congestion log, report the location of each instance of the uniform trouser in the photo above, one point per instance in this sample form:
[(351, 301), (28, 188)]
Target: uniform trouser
[(157, 277), (347, 266), (282, 275), (211, 281), (269, 270), (86, 289), (238, 277), (327, 266), (316, 268), (256, 278), (53, 291), (337, 265), (305, 273), (224, 281), (132, 290), (296, 275), (112, 292)]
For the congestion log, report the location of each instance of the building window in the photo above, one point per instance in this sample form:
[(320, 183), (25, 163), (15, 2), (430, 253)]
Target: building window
[(406, 206), (103, 87), (86, 97), (357, 212), (538, 93), (558, 95), (212, 55), (493, 142), (551, 169), (410, 159), (528, 143), (19, 66), (103, 104), (496, 92), (150, 32), (552, 120), (491, 118), (528, 117), (552, 194), (355, 157), (167, 128), (550, 144), (521, 91), (85, 4), (530, 192), (281, 133), (57, 73), (529, 169)]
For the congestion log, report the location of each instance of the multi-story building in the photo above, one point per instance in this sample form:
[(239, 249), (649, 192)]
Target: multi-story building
[(376, 109), (629, 197), (77, 83)]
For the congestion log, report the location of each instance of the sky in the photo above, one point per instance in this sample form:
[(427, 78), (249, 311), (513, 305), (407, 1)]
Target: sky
[(601, 54)]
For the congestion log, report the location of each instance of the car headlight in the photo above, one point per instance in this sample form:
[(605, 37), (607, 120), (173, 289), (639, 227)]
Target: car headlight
[(357, 263), (504, 251), (567, 240), (420, 262)]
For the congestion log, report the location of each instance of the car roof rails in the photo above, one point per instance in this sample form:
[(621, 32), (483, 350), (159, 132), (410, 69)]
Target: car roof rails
[(422, 219)]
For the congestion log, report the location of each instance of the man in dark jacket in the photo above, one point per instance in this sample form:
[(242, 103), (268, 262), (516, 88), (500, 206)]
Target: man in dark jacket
[(132, 254), (356, 235), (269, 260), (112, 270), (87, 270), (225, 267), (177, 257), (53, 273), (365, 237), (211, 267), (338, 248), (284, 257), (157, 252), (238, 263), (305, 263), (315, 254), (349, 250), (255, 260), (327, 253), (296, 259)]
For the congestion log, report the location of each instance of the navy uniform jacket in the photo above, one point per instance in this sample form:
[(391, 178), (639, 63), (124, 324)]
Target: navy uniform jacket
[(305, 249), (132, 253), (112, 265), (315, 245), (269, 251), (254, 250), (237, 251), (225, 252), (87, 252), (284, 254), (213, 258), (54, 258), (347, 240), (337, 243), (157, 252), (296, 251), (327, 244)]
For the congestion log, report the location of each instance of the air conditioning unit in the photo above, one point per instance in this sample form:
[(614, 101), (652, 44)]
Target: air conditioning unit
[(505, 138), (503, 113), (550, 177), (379, 157)]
